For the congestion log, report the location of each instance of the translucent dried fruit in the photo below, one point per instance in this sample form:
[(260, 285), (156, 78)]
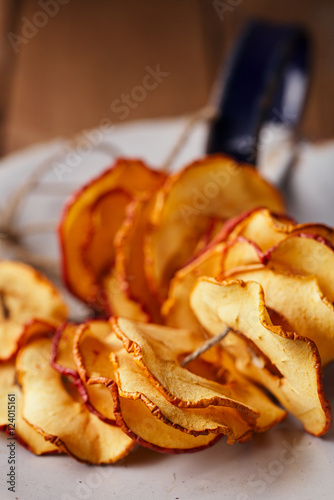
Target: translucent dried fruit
[(25, 295), (176, 309), (215, 187), (126, 287), (157, 351), (87, 220), (11, 419), (96, 398), (241, 306), (54, 411), (299, 300)]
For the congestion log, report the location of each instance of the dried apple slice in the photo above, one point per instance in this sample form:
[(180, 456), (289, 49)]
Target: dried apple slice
[(126, 287), (241, 306), (96, 398), (267, 229), (93, 344), (214, 187), (215, 229), (176, 309), (133, 384), (53, 411), (240, 252), (156, 350), (130, 176), (11, 414), (25, 294), (98, 252), (302, 249), (155, 338), (253, 236), (270, 413), (264, 228), (237, 251), (7, 385), (306, 254), (315, 229), (301, 302), (137, 421)]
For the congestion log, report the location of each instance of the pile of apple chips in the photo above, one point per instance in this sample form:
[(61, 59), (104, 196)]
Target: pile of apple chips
[(165, 263)]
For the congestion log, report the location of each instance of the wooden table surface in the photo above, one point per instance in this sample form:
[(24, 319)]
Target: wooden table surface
[(65, 74)]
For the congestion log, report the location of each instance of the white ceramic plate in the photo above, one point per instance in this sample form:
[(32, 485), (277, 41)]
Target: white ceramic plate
[(283, 463)]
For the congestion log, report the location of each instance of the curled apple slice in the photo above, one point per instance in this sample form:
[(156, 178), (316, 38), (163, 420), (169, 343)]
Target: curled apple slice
[(264, 228), (306, 254), (215, 187), (125, 285), (176, 309), (315, 229), (11, 399), (137, 421), (92, 346), (299, 300), (241, 306), (240, 252), (11, 415), (54, 411), (98, 252), (25, 295), (157, 349), (88, 215), (133, 384), (96, 398)]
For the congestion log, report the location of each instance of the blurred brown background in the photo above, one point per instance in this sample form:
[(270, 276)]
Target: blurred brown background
[(64, 63)]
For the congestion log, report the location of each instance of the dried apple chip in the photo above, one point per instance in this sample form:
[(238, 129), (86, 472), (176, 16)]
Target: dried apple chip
[(7, 385), (133, 384), (315, 229), (270, 413), (300, 301), (106, 217), (236, 251), (53, 411), (253, 236), (25, 295), (240, 252), (11, 414), (264, 228), (214, 187), (126, 287), (267, 229), (93, 344), (98, 253), (92, 204), (137, 421), (157, 349), (306, 254), (297, 380), (176, 309), (256, 236), (96, 398)]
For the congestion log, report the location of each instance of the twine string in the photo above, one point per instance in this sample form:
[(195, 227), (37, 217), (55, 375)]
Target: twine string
[(12, 237), (206, 113), (205, 347)]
